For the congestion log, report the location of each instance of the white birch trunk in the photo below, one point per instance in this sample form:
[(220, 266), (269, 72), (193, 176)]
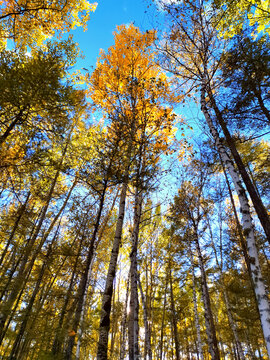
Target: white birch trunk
[(259, 287)]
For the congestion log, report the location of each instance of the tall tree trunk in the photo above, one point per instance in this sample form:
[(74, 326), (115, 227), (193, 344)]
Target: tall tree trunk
[(195, 306), (16, 345), (104, 326), (174, 318), (256, 199), (124, 324), (259, 287), (20, 277), (209, 320), (258, 94), (133, 330), (163, 320), (225, 294), (83, 287), (59, 337), (147, 342), (238, 225)]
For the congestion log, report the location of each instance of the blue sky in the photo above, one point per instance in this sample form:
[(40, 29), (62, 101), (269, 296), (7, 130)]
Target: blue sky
[(103, 22)]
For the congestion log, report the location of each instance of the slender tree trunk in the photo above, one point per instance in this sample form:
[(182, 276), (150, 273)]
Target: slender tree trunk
[(163, 320), (196, 316), (209, 320), (238, 225), (19, 281), (83, 287), (259, 287), (113, 330), (18, 119), (59, 337), (225, 296), (147, 350), (174, 318), (124, 325), (27, 312), (15, 226), (258, 94), (134, 301), (232, 324), (104, 326), (13, 265)]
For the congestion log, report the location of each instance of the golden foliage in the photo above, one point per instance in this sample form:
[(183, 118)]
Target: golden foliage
[(30, 22)]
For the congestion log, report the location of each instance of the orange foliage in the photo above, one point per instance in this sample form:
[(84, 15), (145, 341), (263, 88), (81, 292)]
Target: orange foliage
[(132, 91)]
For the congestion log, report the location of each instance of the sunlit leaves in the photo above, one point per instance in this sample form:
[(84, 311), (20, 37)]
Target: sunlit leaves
[(30, 22), (234, 16), (132, 92)]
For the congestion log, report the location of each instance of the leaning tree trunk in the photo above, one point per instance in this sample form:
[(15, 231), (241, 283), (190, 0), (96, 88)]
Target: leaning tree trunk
[(20, 277), (256, 199), (27, 313), (104, 326), (19, 118), (15, 226), (248, 229)]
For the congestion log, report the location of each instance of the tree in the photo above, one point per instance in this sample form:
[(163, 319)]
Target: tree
[(233, 16), (44, 100), (131, 90), (30, 22), (190, 54), (189, 210), (245, 68)]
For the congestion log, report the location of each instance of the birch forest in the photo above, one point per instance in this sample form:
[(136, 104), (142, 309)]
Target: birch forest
[(135, 196)]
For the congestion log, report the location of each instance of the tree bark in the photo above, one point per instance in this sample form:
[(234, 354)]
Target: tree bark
[(248, 229), (133, 330), (83, 287), (147, 342), (163, 320), (195, 306), (209, 320), (18, 119), (15, 226), (104, 326), (256, 199), (124, 324), (174, 318)]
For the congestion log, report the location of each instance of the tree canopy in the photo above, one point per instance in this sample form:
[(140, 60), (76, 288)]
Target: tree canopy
[(134, 196)]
